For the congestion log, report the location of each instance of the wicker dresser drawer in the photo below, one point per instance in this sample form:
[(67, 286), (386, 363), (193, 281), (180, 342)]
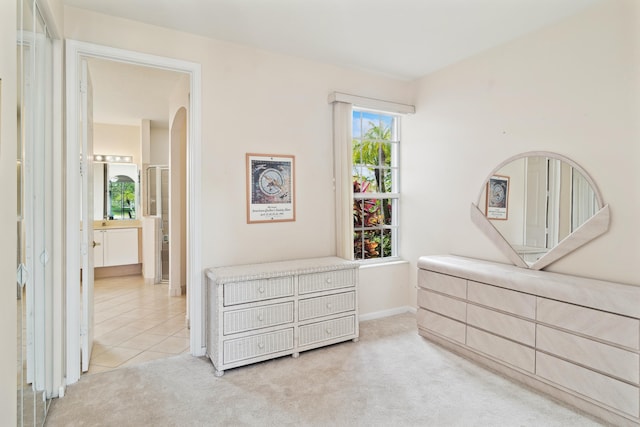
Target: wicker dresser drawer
[(257, 290), (326, 331), (325, 281), (258, 345), (311, 308), (258, 317)]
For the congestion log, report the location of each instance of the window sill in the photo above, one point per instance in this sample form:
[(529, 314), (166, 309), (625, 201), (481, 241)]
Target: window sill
[(382, 263)]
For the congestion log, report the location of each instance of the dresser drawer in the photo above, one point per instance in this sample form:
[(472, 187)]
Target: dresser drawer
[(510, 352), (326, 331), (441, 325), (449, 285), (441, 304), (257, 290), (513, 302), (502, 324), (611, 392), (323, 306), (257, 345), (258, 317), (610, 327), (602, 357), (325, 281)]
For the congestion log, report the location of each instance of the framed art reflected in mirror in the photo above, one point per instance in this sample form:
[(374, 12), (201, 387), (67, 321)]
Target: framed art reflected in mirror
[(497, 201)]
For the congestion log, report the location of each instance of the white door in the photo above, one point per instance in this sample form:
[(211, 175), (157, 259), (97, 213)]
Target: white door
[(554, 181), (86, 238), (536, 215)]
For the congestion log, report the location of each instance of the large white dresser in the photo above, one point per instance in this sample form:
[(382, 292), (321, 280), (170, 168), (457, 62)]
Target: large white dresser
[(262, 311), (574, 338)]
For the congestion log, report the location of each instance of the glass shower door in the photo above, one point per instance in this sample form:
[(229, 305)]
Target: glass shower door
[(158, 205)]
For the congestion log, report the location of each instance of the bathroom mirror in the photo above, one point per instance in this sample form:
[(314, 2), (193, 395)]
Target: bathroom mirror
[(539, 206), (116, 191)]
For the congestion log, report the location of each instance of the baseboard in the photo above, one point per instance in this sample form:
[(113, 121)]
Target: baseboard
[(386, 313), (117, 271)]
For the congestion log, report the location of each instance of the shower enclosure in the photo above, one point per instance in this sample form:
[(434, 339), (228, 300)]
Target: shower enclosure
[(158, 205)]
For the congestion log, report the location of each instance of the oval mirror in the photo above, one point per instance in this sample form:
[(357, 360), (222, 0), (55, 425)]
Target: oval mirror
[(539, 206)]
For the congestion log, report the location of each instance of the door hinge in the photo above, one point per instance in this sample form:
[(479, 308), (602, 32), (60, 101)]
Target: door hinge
[(83, 86), (22, 275)]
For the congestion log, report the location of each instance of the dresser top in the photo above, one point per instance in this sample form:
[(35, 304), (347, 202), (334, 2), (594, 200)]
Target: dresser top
[(598, 294), (238, 273)]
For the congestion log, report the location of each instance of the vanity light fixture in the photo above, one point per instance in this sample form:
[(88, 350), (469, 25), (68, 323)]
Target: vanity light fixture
[(112, 158)]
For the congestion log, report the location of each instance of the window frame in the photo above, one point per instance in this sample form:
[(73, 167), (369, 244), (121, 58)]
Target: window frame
[(394, 195)]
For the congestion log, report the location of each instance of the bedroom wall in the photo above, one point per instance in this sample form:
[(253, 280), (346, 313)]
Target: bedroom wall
[(261, 102), (572, 88)]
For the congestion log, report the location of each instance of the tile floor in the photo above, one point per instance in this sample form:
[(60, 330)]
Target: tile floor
[(136, 322)]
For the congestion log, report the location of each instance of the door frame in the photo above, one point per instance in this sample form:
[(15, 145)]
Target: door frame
[(75, 50)]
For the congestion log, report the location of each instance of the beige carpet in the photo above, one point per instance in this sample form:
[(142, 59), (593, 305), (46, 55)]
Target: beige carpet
[(392, 377)]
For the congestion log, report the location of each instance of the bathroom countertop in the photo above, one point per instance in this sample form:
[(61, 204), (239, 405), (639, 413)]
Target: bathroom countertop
[(114, 224)]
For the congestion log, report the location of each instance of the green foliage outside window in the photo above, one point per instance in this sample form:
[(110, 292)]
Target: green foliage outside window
[(372, 173), (122, 198)]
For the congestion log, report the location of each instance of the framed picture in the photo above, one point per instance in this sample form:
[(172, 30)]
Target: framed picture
[(270, 188), (498, 197)]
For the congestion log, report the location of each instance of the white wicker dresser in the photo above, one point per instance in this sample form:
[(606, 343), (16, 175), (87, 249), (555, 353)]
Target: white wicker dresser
[(263, 311)]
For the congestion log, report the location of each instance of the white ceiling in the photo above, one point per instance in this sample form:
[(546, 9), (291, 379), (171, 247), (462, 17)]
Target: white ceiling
[(404, 39)]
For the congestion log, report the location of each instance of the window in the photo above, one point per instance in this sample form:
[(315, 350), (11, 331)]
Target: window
[(375, 171)]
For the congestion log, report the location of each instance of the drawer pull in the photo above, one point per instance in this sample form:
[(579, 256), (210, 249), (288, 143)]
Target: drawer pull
[(260, 345), (329, 305), (328, 331), (261, 289), (260, 317), (328, 280)]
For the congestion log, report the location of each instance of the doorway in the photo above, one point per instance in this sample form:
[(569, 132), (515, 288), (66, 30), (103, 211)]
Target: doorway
[(133, 317), (76, 52)]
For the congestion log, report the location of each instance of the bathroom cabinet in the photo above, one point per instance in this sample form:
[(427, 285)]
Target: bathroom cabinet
[(115, 246)]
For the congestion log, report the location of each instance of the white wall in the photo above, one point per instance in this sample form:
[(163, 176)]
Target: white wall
[(8, 130), (262, 102), (123, 140), (159, 150), (572, 88)]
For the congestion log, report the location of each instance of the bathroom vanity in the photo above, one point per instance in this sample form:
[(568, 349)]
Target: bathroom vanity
[(117, 247), (263, 311)]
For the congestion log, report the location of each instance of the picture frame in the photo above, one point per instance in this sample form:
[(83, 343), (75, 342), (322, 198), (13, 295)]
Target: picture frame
[(270, 188), (497, 200)]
